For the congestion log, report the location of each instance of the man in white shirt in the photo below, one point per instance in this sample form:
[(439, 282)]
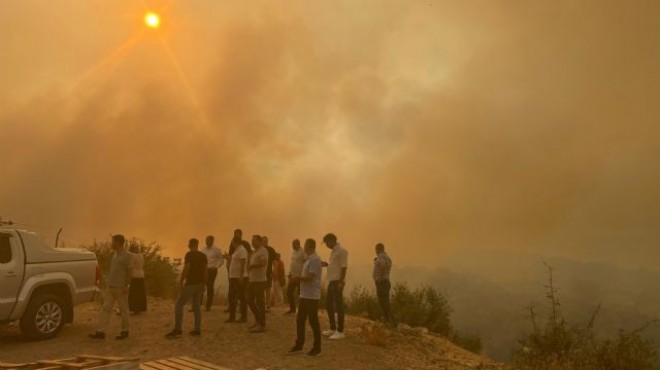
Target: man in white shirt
[(337, 267), (295, 269), (215, 261), (237, 274), (256, 296), (137, 293)]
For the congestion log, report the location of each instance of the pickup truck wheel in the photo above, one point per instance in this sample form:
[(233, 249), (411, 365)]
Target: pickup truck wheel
[(44, 317)]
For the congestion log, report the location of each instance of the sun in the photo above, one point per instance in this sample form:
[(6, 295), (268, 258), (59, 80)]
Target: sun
[(152, 20)]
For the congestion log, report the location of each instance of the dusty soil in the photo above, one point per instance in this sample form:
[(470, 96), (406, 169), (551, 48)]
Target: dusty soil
[(367, 346)]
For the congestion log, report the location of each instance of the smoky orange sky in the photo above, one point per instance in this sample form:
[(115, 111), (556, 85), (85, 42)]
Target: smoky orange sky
[(436, 127)]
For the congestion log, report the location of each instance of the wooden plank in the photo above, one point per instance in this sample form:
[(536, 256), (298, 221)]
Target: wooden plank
[(188, 364), (155, 365), (70, 359), (80, 362), (174, 365), (147, 366), (108, 358), (86, 363), (9, 365), (203, 363), (61, 363), (116, 366)]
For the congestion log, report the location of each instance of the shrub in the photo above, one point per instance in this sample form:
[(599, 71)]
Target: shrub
[(160, 273), (558, 345), (471, 343), (362, 302), (424, 306)]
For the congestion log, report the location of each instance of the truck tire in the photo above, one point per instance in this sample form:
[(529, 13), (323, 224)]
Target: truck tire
[(44, 317)]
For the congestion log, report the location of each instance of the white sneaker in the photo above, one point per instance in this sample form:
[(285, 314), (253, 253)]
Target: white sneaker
[(329, 333), (337, 335)]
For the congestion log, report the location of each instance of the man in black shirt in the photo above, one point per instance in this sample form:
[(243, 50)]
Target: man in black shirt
[(238, 238), (193, 280)]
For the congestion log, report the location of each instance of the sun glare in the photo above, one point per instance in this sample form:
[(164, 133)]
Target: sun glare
[(152, 20)]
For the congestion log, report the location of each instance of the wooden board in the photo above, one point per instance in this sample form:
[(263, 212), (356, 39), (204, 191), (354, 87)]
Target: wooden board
[(109, 358), (202, 363), (75, 363), (180, 363), (116, 366), (7, 365)]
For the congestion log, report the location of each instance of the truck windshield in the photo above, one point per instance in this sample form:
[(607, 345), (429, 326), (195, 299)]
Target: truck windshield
[(5, 249)]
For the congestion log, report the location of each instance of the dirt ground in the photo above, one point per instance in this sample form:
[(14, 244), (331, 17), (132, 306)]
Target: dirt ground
[(230, 345)]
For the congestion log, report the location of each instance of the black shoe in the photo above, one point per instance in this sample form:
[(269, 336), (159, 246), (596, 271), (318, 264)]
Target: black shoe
[(195, 333), (289, 312), (123, 335), (97, 335), (173, 334), (230, 321), (242, 320), (314, 352), (295, 351), (208, 309), (257, 329)]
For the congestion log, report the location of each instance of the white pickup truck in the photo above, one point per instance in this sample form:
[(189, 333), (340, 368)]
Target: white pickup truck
[(40, 285)]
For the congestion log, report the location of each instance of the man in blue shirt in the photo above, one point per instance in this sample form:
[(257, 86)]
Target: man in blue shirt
[(310, 294)]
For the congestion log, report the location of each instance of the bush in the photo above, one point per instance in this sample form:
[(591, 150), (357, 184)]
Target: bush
[(362, 302), (424, 306), (160, 273), (471, 343), (558, 345)]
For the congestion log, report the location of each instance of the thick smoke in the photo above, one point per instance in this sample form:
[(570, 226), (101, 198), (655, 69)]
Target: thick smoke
[(431, 126)]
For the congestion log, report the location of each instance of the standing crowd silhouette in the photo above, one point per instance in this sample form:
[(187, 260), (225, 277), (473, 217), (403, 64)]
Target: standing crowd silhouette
[(256, 280)]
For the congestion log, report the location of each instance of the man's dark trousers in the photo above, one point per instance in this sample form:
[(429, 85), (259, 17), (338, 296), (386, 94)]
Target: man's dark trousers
[(210, 287), (291, 289), (308, 310), (383, 288), (236, 296), (336, 305), (256, 297)]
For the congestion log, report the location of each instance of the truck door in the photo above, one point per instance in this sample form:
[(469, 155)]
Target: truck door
[(11, 268)]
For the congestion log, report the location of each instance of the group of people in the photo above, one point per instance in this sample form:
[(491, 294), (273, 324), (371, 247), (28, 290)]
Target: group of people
[(256, 278)]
